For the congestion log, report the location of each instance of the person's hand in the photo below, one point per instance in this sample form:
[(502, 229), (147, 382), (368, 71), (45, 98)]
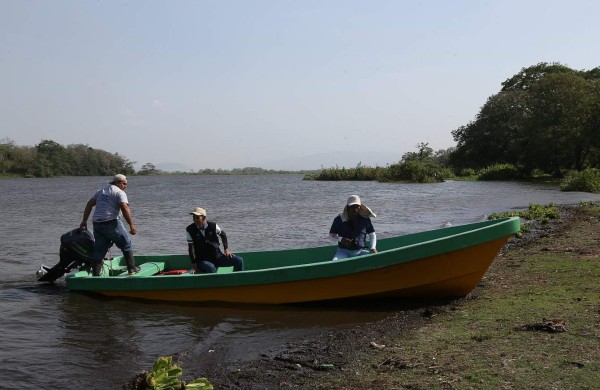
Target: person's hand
[(83, 225), (346, 242), (228, 253), (374, 250), (132, 230)]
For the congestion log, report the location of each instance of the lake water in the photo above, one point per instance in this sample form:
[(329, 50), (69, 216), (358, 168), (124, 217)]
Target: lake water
[(55, 339)]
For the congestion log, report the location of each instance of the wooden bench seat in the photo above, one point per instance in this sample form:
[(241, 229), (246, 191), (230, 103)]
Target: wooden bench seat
[(224, 270)]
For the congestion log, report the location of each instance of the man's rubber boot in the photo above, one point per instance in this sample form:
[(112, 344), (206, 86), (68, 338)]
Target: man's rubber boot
[(96, 268), (131, 267)]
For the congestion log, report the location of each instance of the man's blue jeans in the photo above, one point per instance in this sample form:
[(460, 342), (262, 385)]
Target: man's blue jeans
[(107, 233), (343, 253), (222, 261)]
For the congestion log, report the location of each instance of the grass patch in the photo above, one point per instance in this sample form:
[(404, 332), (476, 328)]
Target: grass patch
[(535, 213)]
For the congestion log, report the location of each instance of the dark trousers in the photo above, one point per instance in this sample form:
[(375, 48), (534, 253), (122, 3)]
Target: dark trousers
[(222, 261)]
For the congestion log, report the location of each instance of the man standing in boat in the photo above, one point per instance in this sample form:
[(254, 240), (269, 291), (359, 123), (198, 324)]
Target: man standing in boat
[(351, 229), (108, 228), (204, 248)]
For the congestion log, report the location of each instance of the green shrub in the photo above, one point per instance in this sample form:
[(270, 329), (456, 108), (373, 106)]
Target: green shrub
[(542, 213), (359, 173), (466, 172), (165, 376), (535, 212), (587, 180), (415, 172), (500, 172)]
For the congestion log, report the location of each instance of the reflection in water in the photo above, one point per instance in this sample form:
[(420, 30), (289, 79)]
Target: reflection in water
[(56, 339)]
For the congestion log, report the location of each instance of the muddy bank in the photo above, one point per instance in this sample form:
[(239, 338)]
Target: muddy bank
[(312, 363)]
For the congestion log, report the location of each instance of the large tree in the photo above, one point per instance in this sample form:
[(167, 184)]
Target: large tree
[(51, 159), (545, 117), (495, 134), (558, 135)]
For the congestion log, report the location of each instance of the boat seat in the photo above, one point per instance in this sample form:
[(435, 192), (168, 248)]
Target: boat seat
[(224, 270), (147, 269)]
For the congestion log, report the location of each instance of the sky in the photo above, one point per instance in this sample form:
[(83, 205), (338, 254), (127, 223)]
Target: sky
[(277, 84)]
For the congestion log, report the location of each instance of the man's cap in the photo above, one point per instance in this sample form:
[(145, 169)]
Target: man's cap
[(199, 211), (118, 178)]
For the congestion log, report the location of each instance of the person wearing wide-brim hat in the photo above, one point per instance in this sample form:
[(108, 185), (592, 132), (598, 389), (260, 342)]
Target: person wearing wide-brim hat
[(204, 247), (351, 229)]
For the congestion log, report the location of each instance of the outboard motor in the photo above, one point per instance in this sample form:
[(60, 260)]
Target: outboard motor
[(76, 249)]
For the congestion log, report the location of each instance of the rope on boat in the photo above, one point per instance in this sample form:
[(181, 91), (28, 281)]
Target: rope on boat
[(156, 265)]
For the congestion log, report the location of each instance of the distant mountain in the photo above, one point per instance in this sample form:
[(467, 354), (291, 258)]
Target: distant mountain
[(173, 167), (346, 159)]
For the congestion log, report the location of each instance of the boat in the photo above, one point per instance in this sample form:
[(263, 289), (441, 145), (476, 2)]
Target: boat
[(442, 263)]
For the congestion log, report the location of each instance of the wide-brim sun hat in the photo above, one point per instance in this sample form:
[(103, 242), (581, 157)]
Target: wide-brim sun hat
[(352, 200), (199, 211)]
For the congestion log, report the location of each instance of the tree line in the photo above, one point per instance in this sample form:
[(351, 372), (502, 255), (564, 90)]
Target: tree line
[(48, 159), (151, 169), (422, 166)]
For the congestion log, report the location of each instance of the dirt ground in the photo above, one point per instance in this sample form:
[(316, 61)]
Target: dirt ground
[(315, 363), (330, 360)]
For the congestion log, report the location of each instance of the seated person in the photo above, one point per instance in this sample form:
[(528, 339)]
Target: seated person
[(351, 228), (204, 247)]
